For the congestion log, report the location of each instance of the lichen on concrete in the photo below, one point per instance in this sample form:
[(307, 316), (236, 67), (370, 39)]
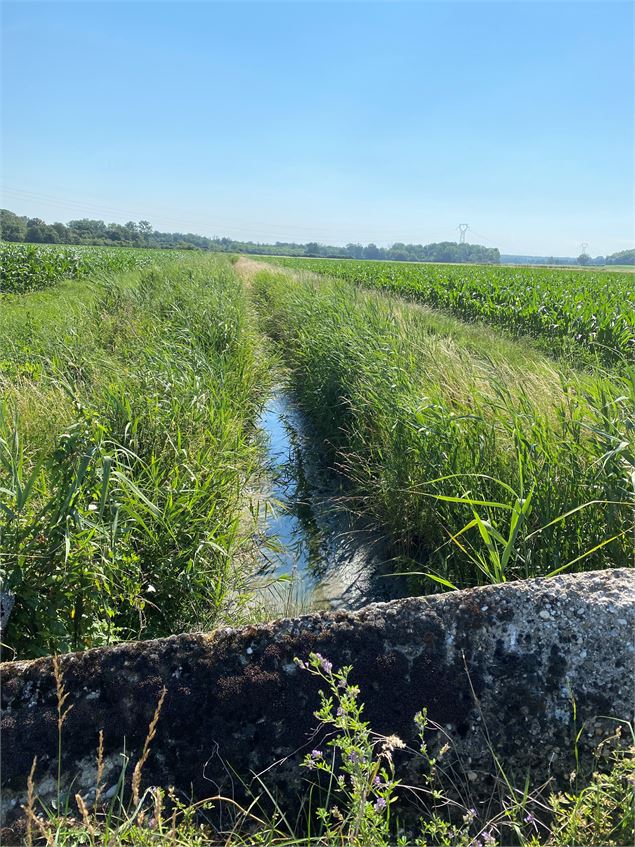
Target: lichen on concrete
[(498, 667)]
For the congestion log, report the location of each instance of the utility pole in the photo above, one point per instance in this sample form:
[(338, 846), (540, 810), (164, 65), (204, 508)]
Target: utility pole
[(462, 228)]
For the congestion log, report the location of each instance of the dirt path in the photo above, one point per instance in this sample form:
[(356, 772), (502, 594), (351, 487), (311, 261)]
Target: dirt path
[(247, 268)]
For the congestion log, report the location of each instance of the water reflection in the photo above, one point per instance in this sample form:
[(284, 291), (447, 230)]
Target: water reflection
[(330, 557)]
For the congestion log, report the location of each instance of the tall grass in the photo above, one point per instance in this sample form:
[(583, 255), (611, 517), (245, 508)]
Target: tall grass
[(585, 315), (481, 459), (125, 445)]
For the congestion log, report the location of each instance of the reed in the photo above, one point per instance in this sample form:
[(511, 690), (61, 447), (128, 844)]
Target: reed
[(481, 459)]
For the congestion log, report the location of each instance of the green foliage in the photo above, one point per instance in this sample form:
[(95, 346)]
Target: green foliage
[(26, 268), (360, 772), (624, 257), (479, 459), (568, 310), (124, 451)]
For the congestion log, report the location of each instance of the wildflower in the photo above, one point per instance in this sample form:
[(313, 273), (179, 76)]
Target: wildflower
[(530, 819), (469, 816), (377, 780), (379, 804), (340, 712), (300, 663), (487, 837), (316, 754), (326, 666), (355, 757)]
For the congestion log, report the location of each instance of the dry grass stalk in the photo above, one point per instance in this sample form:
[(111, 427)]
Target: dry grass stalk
[(136, 776), (62, 694), (29, 809), (99, 784), (85, 816)]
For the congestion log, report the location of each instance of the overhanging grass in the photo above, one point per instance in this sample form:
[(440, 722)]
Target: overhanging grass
[(465, 449), (125, 444)]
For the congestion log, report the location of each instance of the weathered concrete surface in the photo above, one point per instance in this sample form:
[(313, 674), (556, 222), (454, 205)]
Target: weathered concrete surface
[(237, 702)]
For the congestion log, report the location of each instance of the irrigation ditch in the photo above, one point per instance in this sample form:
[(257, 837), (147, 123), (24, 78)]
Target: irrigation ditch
[(320, 554)]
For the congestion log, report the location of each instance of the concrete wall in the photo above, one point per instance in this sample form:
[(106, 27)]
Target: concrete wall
[(237, 702)]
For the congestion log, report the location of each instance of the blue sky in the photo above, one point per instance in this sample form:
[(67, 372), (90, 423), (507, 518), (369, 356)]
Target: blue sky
[(332, 121)]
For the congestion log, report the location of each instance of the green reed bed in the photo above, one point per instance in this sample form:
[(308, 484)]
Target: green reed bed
[(586, 315), (480, 459), (126, 416)]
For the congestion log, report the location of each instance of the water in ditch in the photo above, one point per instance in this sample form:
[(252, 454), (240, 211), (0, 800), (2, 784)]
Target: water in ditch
[(326, 556)]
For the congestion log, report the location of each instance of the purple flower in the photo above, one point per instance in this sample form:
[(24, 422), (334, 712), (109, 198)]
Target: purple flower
[(529, 818), (377, 780), (353, 757), (379, 804), (340, 711), (487, 837), (316, 754), (326, 666)]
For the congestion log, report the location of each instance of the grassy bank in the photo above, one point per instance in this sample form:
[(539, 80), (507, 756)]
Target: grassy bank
[(125, 442), (479, 458), (586, 316)]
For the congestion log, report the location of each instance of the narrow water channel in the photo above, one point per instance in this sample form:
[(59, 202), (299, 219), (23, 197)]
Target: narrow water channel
[(328, 557)]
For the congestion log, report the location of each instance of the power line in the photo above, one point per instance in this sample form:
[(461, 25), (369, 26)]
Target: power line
[(257, 229)]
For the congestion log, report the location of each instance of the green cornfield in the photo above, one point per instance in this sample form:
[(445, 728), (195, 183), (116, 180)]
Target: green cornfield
[(29, 267), (565, 309)]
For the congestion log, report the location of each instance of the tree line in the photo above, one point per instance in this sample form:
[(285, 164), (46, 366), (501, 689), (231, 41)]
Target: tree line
[(141, 234)]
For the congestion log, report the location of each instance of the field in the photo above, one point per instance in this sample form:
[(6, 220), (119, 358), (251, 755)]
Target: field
[(570, 311), (27, 267), (129, 398), (131, 384), (482, 459)]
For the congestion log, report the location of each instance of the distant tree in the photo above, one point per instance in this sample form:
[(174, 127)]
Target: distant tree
[(624, 257), (88, 230), (62, 232), (118, 233), (355, 251), (41, 233), (12, 227), (584, 259), (312, 249), (145, 227), (371, 251)]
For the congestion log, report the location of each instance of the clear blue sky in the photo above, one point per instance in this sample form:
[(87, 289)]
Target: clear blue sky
[(333, 122)]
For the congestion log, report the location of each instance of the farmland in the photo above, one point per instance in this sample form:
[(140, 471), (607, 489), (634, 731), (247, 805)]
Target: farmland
[(131, 389), (482, 458), (27, 267), (567, 311)]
